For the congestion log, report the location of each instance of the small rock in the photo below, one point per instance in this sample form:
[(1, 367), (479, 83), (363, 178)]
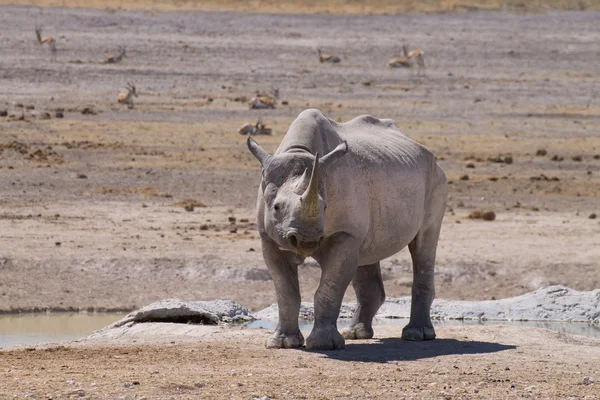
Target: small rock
[(284, 103), (189, 208), (77, 393), (59, 114), (558, 158), (203, 227), (3, 113), (597, 157), (232, 219), (484, 215), (529, 388), (577, 158), (593, 216), (464, 178), (588, 380), (541, 152), (45, 115), (88, 111), (200, 384), (489, 216), (470, 165), (81, 176)]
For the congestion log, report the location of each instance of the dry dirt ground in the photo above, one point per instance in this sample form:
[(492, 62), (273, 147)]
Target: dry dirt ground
[(92, 205), (231, 363)]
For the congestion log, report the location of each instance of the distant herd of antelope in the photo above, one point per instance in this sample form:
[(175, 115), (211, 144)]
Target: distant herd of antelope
[(261, 100)]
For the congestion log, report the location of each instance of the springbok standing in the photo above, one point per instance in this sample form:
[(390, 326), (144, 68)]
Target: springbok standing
[(47, 39), (323, 57), (262, 101), (116, 59), (417, 54), (259, 128), (127, 97)]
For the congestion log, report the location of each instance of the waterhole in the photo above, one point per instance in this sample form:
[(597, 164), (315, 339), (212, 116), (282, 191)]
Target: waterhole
[(55, 327), (51, 327)]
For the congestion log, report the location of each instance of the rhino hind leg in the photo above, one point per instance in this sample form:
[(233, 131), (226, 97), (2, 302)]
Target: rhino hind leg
[(422, 251), (370, 293)]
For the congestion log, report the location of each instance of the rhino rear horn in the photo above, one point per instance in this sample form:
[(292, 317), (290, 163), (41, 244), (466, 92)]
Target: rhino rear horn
[(261, 155), (335, 154)]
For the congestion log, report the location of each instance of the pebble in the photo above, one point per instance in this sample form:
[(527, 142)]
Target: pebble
[(77, 393), (588, 380)]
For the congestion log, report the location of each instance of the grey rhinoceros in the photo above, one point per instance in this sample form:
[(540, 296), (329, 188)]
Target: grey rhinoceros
[(373, 192)]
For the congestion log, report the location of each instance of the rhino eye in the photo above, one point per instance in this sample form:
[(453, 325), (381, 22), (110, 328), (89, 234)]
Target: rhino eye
[(276, 207)]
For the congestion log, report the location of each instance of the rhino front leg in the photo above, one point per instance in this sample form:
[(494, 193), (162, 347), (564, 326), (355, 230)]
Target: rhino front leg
[(338, 259), (370, 294), (283, 267)]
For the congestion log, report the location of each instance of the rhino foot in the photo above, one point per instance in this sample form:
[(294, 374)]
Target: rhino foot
[(418, 334), (325, 339), (357, 331), (279, 340)]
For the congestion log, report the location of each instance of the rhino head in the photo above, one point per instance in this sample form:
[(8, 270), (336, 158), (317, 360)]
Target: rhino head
[(294, 194)]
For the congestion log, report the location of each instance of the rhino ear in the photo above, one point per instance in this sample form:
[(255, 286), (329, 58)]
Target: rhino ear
[(335, 154), (258, 152)]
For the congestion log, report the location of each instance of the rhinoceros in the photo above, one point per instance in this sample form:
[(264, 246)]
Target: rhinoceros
[(348, 195)]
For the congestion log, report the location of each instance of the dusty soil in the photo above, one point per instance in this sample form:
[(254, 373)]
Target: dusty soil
[(92, 207), (216, 363)]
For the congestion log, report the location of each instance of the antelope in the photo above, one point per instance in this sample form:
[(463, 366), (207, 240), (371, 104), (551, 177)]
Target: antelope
[(117, 58), (418, 54), (259, 128), (398, 62), (327, 57), (47, 39), (127, 97), (262, 101)]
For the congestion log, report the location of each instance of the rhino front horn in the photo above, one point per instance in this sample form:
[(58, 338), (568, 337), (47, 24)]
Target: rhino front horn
[(311, 208)]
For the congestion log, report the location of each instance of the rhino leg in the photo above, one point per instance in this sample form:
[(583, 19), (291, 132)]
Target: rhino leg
[(283, 267), (422, 250), (338, 260), (370, 294)]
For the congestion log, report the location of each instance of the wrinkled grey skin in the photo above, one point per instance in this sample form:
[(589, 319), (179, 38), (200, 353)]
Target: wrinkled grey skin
[(375, 192)]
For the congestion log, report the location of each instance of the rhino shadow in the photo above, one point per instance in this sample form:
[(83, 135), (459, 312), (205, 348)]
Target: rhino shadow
[(396, 349)]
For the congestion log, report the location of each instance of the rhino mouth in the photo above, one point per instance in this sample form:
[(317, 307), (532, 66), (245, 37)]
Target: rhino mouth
[(300, 245)]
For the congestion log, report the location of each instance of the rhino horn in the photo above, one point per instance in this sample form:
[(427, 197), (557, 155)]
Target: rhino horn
[(310, 198), (258, 152)]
